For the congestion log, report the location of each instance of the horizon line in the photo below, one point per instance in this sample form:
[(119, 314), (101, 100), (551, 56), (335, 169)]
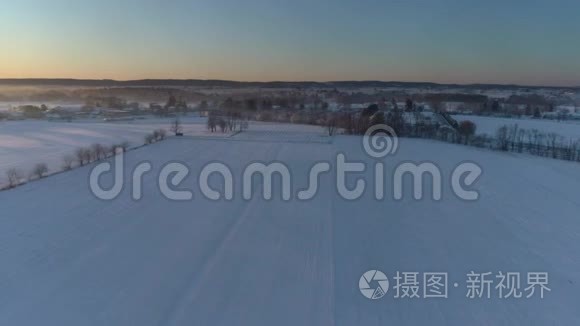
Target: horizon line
[(473, 84)]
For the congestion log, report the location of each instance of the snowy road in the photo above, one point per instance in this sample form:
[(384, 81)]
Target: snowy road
[(71, 259)]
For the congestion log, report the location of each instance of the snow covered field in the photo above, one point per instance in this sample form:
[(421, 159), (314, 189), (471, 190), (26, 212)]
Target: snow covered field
[(570, 130), (28, 142), (71, 259)]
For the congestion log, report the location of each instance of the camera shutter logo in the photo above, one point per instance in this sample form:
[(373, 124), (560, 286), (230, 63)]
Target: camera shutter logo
[(373, 284)]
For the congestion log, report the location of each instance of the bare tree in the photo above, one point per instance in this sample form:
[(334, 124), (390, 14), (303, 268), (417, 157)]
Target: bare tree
[(467, 130), (40, 170), (102, 151), (80, 156), (244, 124), (502, 138), (331, 124), (149, 138), (175, 126), (232, 120), (67, 162), (554, 142), (156, 135), (14, 177), (222, 124), (98, 152), (520, 140), (211, 123), (512, 136), (94, 152), (87, 155), (162, 134)]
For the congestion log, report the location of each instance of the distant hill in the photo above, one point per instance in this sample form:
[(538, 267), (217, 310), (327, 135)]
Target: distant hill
[(272, 84)]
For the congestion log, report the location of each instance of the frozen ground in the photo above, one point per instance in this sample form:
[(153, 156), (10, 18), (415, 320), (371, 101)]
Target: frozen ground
[(71, 259), (28, 142), (570, 130)]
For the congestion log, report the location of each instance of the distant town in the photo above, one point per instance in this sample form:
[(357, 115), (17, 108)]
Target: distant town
[(282, 102)]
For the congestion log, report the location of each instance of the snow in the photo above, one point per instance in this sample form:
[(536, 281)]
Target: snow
[(71, 259), (25, 143), (28, 142), (570, 130)]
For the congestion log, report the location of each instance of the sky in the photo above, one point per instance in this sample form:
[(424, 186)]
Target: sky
[(529, 42)]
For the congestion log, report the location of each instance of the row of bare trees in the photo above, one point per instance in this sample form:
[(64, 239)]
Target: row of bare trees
[(508, 138), (358, 124), (96, 152), (226, 121), (155, 136), (15, 176), (533, 141), (80, 157), (86, 155)]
